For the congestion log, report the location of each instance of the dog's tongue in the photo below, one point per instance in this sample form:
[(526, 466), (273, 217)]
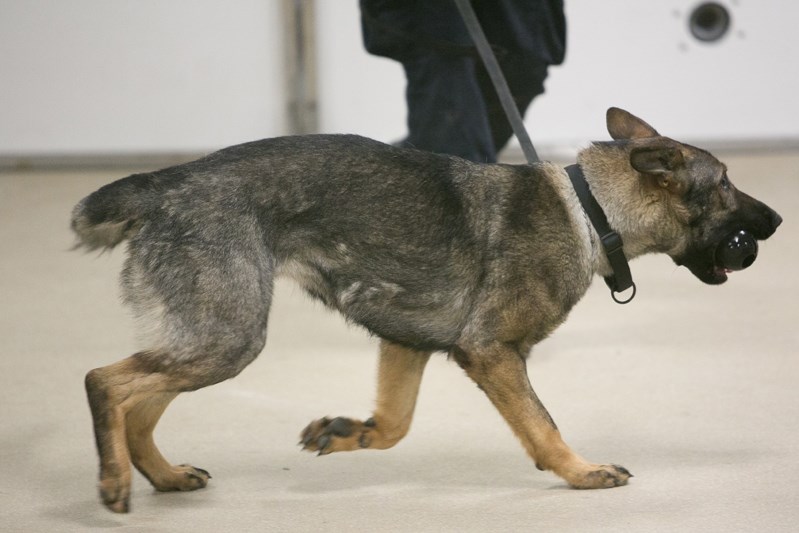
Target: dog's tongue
[(723, 270)]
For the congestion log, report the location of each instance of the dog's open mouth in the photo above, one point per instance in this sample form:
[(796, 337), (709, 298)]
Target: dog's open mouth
[(713, 265), (704, 268)]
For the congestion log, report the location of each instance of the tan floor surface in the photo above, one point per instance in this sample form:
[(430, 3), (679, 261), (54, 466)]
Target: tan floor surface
[(695, 389)]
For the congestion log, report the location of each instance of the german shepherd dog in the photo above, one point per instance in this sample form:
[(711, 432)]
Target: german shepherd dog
[(430, 253)]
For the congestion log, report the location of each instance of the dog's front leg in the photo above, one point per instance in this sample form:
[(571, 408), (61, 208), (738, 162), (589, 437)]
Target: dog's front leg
[(501, 372), (399, 376)]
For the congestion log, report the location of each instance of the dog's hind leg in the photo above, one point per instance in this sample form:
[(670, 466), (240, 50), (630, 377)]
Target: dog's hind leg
[(210, 322), (501, 372), (126, 400), (141, 421), (399, 376)]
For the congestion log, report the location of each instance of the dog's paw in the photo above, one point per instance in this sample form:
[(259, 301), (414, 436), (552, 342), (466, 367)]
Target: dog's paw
[(600, 477), (115, 494), (338, 434), (182, 478)]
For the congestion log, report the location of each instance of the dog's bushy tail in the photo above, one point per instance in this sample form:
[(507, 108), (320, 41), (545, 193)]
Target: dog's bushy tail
[(114, 212)]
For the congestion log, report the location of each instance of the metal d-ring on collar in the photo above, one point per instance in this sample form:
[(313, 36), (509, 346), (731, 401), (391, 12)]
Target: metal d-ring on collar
[(622, 278)]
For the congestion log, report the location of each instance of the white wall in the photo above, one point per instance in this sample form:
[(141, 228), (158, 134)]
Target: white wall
[(190, 75), (640, 56), (359, 93), (138, 75)]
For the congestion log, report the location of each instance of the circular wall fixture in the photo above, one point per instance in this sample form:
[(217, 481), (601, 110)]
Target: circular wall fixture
[(709, 22)]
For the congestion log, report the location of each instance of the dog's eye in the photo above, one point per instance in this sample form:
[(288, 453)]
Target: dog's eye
[(725, 182)]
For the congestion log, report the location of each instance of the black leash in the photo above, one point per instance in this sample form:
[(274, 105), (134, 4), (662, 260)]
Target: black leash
[(621, 279)]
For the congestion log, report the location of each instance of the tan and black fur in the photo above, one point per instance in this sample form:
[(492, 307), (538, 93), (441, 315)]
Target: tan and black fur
[(430, 253)]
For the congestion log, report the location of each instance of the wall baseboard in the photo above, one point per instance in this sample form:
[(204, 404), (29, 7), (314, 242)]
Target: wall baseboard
[(513, 154), (144, 160)]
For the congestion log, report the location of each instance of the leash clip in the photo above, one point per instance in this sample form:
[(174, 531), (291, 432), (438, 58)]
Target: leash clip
[(613, 294)]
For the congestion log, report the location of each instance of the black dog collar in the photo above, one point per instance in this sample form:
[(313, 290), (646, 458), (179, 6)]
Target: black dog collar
[(621, 279)]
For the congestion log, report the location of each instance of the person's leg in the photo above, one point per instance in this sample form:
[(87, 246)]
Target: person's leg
[(446, 110), (525, 76)]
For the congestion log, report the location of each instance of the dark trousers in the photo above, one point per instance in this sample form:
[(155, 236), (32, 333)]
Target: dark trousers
[(452, 105), (454, 109)]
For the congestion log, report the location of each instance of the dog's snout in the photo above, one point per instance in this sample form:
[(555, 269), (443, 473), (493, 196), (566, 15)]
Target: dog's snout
[(776, 220), (757, 217), (771, 221)]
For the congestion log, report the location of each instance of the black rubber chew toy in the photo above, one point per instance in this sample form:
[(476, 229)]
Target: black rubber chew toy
[(737, 251)]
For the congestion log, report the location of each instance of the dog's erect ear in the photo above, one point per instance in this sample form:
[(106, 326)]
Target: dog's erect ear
[(662, 163), (657, 160), (624, 125)]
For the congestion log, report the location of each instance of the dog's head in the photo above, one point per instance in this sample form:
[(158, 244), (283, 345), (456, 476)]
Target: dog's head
[(716, 224)]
